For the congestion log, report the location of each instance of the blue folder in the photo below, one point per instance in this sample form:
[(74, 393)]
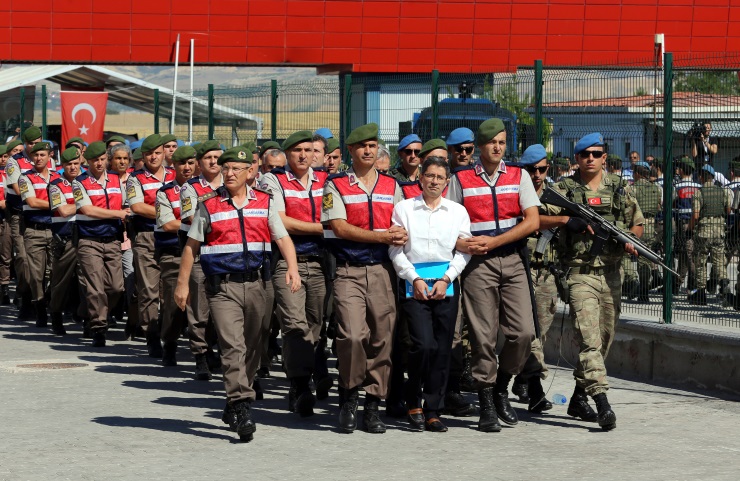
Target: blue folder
[(429, 272)]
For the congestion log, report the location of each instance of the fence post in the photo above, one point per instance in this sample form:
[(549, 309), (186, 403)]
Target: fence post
[(273, 109), (347, 113), (156, 111), (539, 130), (211, 130), (668, 185), (435, 104), (23, 113), (43, 112)]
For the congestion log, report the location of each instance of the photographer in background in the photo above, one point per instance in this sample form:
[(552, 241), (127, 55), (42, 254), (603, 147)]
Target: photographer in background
[(703, 146)]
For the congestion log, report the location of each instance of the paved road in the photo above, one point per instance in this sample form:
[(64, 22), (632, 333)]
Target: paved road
[(122, 416)]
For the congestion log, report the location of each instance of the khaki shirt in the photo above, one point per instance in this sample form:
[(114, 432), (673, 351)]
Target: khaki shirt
[(336, 209), (165, 209)]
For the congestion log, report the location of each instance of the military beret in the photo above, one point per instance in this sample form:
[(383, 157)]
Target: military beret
[(687, 163), (13, 144), (114, 138), (561, 162), (95, 150), (709, 169), (32, 133), (3, 150), (614, 160), (406, 141), (363, 133), (325, 133), (152, 142), (70, 154), (269, 145), (533, 154), (75, 140), (332, 145), (236, 154), (136, 154), (183, 153), (430, 145), (642, 164), (590, 140), (136, 144), (252, 147), (41, 146), (207, 146), (488, 130), (735, 165), (658, 162), (461, 135), (297, 138), (166, 138)]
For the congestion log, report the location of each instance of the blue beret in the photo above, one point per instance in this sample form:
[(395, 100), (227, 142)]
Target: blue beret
[(325, 133), (136, 144), (534, 153), (587, 141), (461, 135), (408, 140), (642, 164), (708, 168)]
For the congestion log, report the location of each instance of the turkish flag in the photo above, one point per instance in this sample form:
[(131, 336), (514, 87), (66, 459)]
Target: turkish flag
[(83, 115)]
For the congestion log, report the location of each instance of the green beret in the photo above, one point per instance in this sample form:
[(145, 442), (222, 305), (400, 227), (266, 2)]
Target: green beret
[(252, 147), (166, 138), (183, 153), (332, 145), (136, 154), (206, 147), (3, 150), (32, 133), (70, 154), (687, 163), (613, 160), (363, 133), (430, 145), (561, 162), (114, 138), (735, 165), (236, 154), (297, 138), (269, 145), (41, 146), (488, 130), (151, 143), (13, 144), (95, 150), (75, 140)]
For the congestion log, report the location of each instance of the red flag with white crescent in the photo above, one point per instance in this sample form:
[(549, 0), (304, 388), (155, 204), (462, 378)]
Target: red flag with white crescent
[(83, 115)]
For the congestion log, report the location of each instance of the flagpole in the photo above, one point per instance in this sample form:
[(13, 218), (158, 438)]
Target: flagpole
[(192, 67), (174, 86)]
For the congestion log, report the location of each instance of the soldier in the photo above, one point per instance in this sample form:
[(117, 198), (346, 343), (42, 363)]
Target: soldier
[(6, 242), (433, 148), (649, 197), (408, 151), (319, 151), (113, 141), (593, 279), (733, 224), (334, 156), (711, 205), (167, 250), (562, 169), (100, 215), (233, 227), (356, 213), (460, 147), (502, 205), (141, 192), (63, 252), (683, 193), (297, 190), (169, 145), (209, 180)]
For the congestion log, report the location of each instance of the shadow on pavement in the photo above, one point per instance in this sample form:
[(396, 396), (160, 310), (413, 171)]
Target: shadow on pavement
[(160, 424)]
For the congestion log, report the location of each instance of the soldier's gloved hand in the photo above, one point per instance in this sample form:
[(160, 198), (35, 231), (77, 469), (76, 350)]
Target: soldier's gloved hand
[(577, 225)]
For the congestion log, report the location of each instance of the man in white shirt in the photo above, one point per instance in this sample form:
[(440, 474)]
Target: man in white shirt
[(434, 225)]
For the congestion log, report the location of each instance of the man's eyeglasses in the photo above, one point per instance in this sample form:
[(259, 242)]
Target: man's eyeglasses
[(596, 154), (468, 150), (532, 169), (430, 177), (236, 170), (411, 151)]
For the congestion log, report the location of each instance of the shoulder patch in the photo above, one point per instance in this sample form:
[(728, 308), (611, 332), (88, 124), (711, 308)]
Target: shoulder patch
[(11, 169), (130, 190), (23, 185), (186, 205), (207, 196), (328, 201), (263, 190), (78, 194), (56, 198)]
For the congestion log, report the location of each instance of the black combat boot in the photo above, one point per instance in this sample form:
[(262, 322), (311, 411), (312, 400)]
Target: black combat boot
[(202, 373), (229, 416), (456, 405), (488, 422), (467, 383), (349, 398), (538, 403), (697, 298), (305, 400), (606, 417), (57, 324), (520, 389), (504, 410), (579, 407), (169, 354), (98, 339), (245, 427), (26, 310), (292, 396), (41, 317), (4, 294), (724, 287), (323, 386), (371, 421), (153, 344), (259, 394)]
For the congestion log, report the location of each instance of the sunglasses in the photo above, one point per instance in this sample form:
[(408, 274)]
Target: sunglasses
[(411, 151), (467, 150), (596, 154), (541, 170)]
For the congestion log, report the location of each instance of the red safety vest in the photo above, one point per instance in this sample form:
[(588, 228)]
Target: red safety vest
[(61, 225), (162, 238), (303, 205), (109, 198), (14, 200), (149, 186), (41, 188), (413, 189)]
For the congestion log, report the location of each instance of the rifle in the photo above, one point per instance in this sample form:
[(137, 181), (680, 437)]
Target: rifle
[(603, 229)]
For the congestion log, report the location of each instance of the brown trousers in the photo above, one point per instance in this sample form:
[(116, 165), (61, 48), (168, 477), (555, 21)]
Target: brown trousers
[(147, 280), (301, 315), (6, 252), (365, 306), (496, 293), (173, 318), (19, 261), (63, 265), (198, 311), (101, 277), (237, 310), (38, 254)]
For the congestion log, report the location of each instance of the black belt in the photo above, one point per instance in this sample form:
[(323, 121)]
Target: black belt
[(169, 251), (358, 264), (504, 251), (104, 240), (37, 225), (308, 258), (251, 276), (597, 271)]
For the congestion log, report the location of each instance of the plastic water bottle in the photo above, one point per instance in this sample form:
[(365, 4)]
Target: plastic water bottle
[(558, 398)]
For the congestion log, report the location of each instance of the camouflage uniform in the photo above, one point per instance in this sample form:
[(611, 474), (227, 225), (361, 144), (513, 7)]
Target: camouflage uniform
[(711, 202), (648, 196), (594, 281)]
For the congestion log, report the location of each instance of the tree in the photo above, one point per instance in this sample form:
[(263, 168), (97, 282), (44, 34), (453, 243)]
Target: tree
[(720, 82)]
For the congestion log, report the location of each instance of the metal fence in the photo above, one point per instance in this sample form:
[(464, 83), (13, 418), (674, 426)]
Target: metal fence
[(656, 109)]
